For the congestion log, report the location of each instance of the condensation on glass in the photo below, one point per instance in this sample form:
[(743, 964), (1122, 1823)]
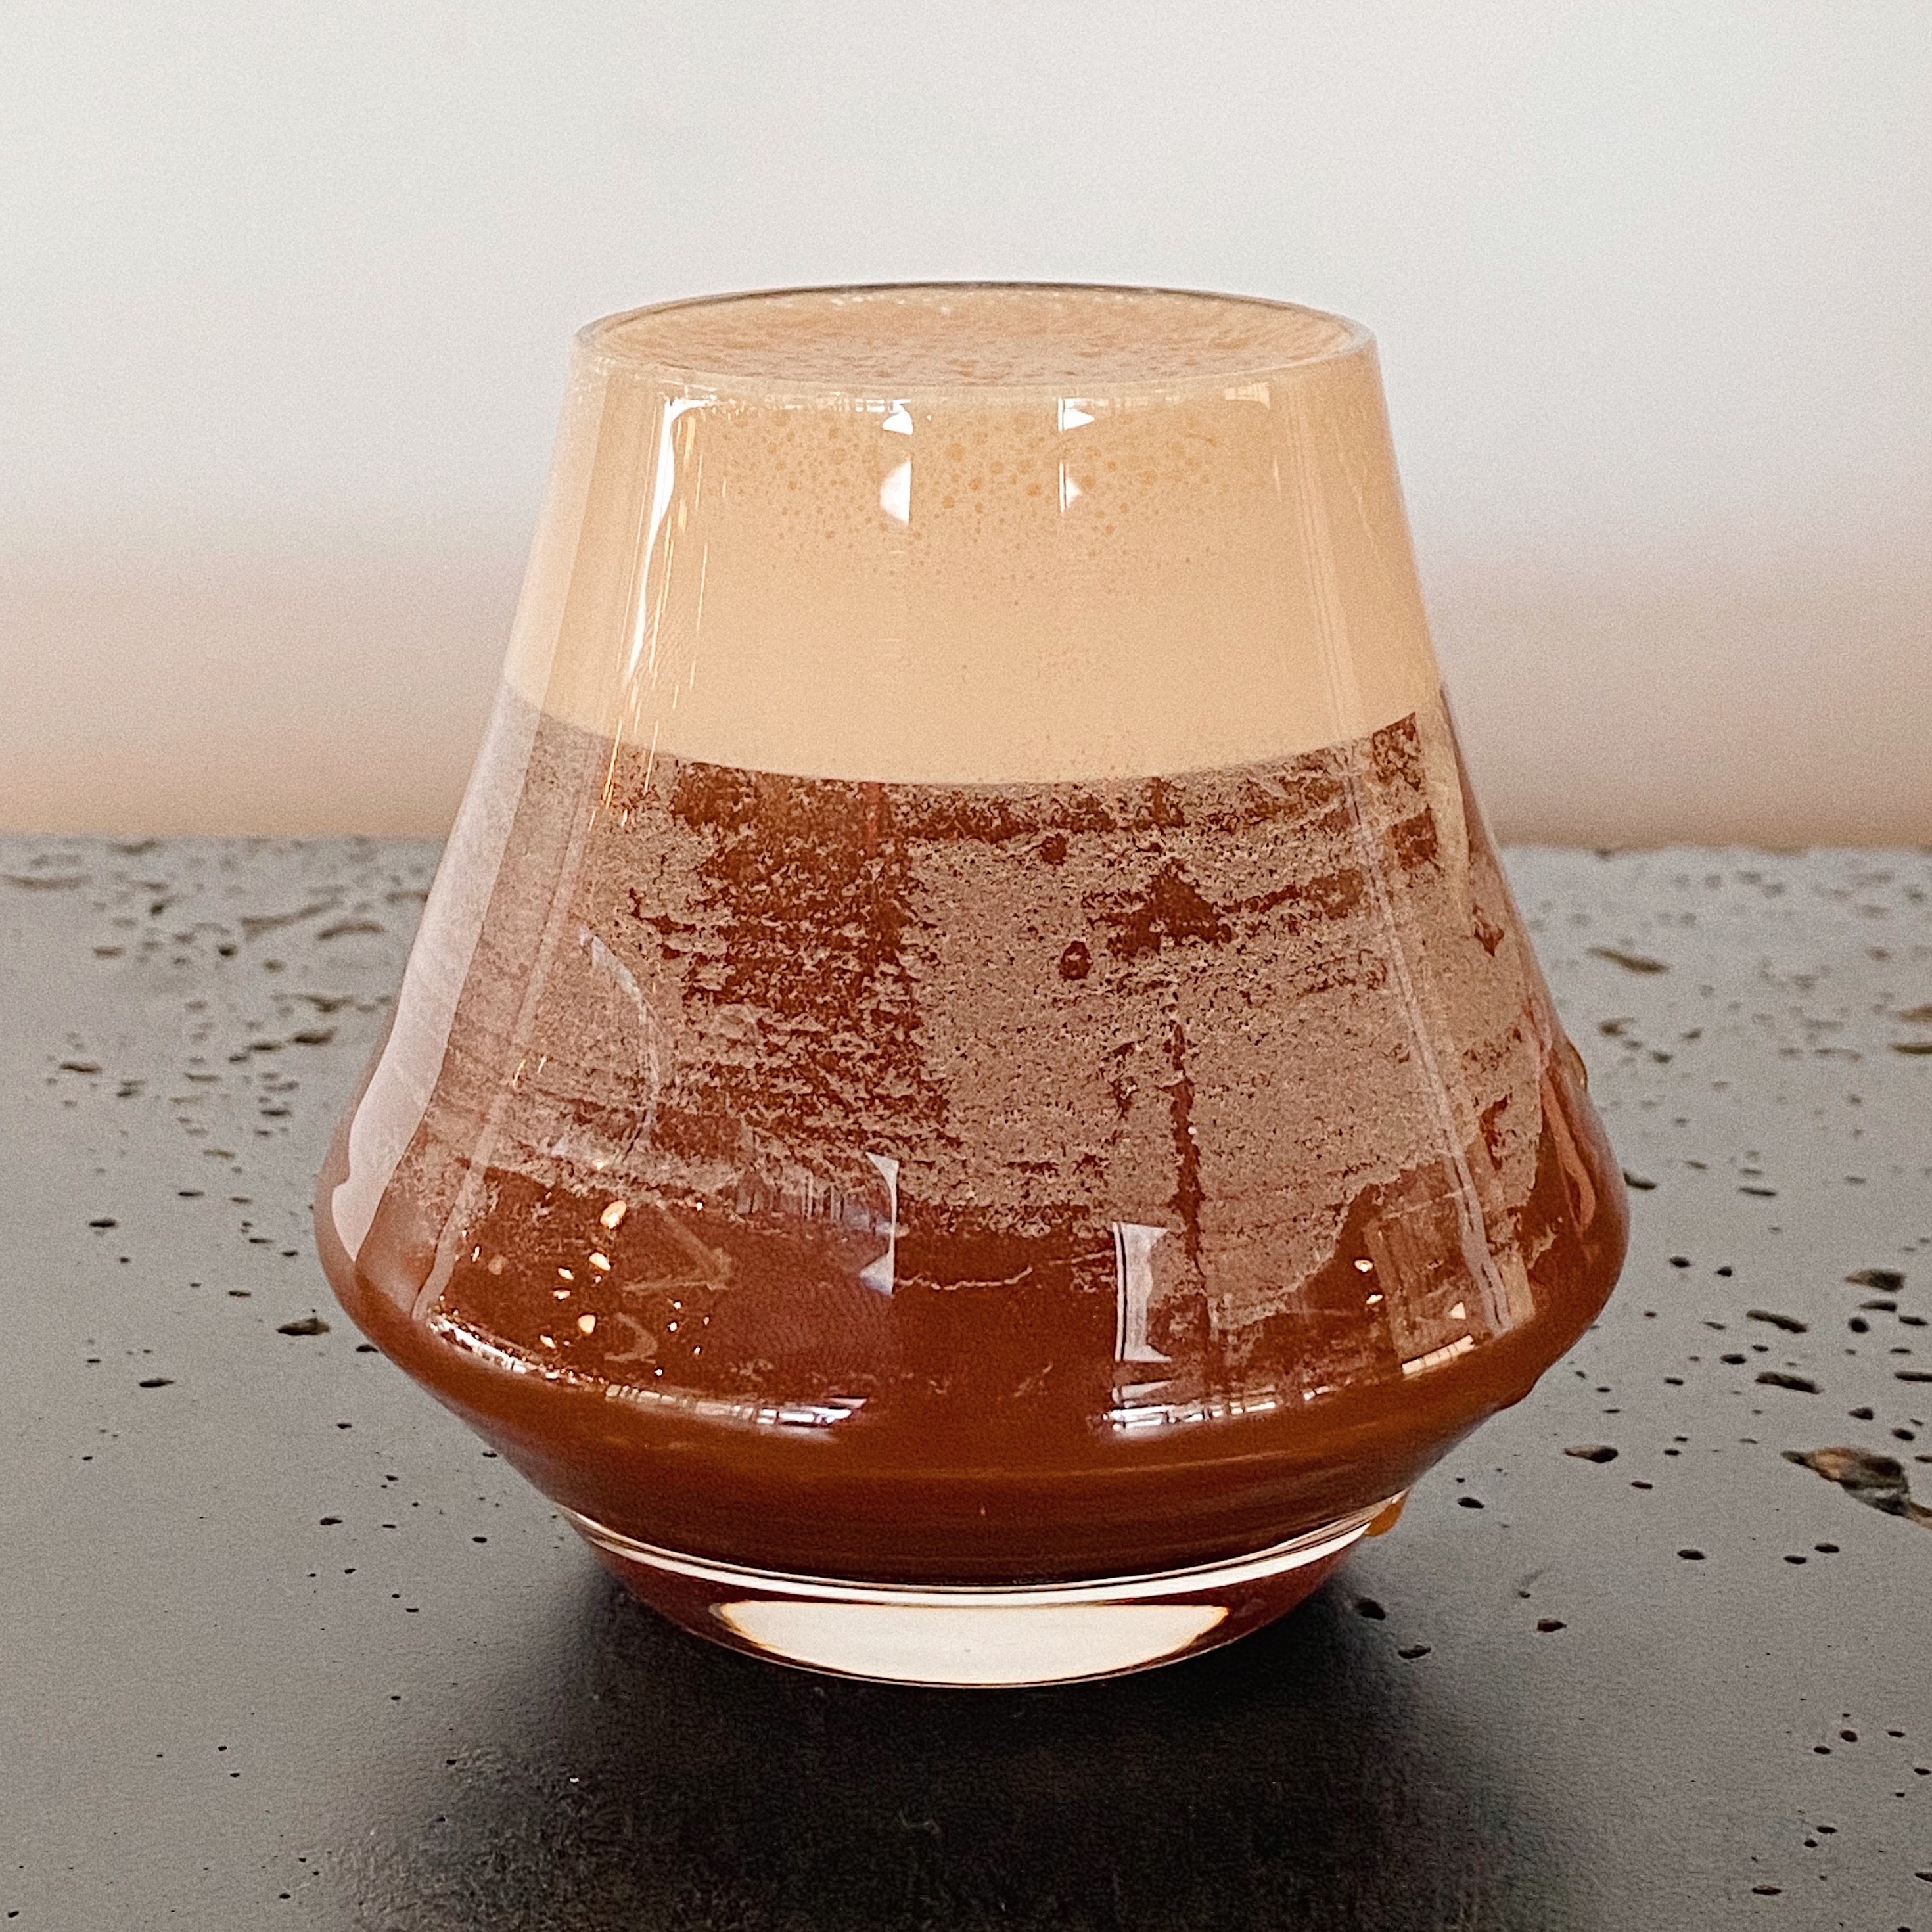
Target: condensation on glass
[(971, 1100)]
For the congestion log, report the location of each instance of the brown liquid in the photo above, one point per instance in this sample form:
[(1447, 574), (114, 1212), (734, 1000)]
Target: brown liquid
[(955, 1183)]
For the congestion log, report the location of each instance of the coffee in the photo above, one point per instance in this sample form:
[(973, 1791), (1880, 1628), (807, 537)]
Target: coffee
[(968, 1037), (927, 1182)]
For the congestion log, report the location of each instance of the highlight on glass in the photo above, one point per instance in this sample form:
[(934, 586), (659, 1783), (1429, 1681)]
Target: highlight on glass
[(971, 1101)]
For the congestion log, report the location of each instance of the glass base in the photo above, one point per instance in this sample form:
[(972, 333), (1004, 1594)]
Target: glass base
[(983, 1638)]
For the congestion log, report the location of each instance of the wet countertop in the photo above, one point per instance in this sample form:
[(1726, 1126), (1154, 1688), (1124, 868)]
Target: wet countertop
[(282, 1645)]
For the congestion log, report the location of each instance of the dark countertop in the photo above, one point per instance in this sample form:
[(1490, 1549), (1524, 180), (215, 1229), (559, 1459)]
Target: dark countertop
[(282, 1645)]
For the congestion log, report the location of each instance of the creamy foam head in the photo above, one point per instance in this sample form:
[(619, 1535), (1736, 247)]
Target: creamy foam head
[(963, 533)]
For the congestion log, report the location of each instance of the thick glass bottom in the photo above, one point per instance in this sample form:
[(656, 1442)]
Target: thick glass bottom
[(982, 1638)]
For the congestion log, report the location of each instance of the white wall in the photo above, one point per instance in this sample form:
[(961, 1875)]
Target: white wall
[(286, 290)]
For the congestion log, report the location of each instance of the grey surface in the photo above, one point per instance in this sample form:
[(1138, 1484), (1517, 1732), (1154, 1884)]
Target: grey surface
[(220, 1708)]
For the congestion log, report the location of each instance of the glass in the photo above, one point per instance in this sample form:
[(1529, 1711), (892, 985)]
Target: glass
[(971, 1101)]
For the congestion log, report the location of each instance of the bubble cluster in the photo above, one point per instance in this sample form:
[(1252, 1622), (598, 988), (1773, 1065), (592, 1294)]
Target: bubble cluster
[(976, 335)]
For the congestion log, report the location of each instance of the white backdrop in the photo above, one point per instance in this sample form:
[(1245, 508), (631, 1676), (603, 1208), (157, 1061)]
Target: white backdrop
[(286, 285)]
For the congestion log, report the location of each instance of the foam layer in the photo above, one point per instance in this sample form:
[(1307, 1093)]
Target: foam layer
[(974, 534)]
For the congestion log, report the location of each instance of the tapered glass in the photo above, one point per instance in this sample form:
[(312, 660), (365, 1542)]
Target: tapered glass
[(971, 1101)]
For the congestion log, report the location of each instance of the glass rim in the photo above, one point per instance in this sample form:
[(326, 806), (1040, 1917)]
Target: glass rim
[(602, 340)]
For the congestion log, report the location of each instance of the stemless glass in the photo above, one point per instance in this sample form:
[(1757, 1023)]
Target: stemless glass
[(971, 1101)]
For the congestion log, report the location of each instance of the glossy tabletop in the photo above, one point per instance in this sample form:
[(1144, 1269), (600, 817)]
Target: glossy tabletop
[(282, 1645)]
